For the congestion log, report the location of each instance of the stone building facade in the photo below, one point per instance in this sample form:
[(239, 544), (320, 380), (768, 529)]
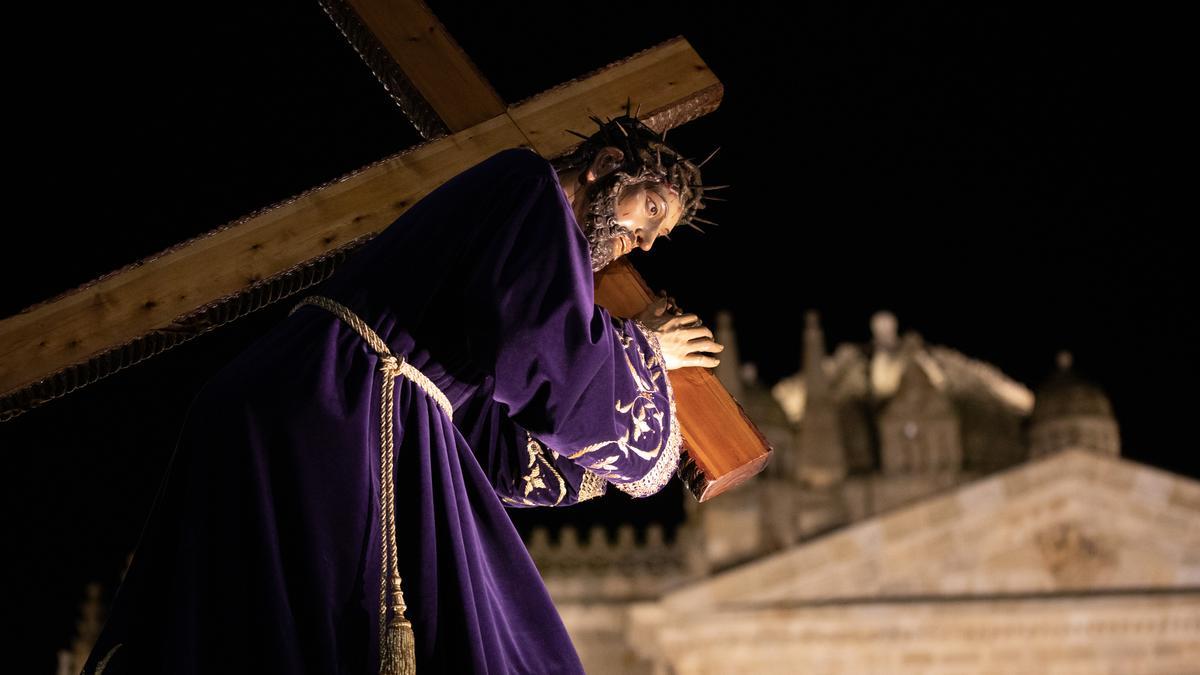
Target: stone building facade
[(1070, 563), (922, 513)]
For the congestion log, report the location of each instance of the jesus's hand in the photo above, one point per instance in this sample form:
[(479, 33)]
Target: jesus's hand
[(683, 339)]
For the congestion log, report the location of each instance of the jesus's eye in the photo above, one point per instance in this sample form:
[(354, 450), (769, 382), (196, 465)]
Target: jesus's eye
[(651, 206)]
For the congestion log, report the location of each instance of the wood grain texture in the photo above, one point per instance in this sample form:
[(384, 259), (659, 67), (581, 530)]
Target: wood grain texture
[(153, 293), (722, 447), (431, 60), (670, 82), (387, 72)]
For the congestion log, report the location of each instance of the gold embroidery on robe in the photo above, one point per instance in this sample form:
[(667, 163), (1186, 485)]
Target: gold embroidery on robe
[(533, 476), (645, 419)]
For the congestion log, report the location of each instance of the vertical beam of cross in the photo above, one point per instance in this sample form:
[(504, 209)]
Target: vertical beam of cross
[(419, 64)]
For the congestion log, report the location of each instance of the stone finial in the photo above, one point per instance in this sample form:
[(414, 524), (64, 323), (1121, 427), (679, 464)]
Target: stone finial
[(821, 455), (883, 330), (812, 320), (1065, 360), (815, 379)]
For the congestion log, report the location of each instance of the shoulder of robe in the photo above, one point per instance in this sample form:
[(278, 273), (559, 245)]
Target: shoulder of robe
[(522, 162), (524, 166)]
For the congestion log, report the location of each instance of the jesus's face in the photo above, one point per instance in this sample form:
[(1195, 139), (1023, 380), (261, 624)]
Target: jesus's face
[(641, 212)]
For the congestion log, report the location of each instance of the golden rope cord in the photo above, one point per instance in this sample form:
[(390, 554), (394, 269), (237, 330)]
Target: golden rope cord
[(376, 343), (396, 643)]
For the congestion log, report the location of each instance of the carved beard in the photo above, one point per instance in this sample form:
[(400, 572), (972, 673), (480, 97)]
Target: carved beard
[(600, 221)]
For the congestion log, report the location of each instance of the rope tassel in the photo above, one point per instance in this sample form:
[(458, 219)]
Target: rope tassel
[(397, 646), (399, 649)]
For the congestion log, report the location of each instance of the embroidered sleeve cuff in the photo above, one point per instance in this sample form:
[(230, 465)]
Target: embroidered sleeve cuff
[(668, 460)]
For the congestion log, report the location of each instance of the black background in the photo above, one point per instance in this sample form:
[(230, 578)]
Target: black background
[(1008, 180)]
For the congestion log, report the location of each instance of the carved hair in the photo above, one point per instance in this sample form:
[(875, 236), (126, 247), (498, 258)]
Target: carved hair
[(646, 158)]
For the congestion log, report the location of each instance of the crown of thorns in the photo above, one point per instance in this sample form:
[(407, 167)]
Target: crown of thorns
[(647, 157)]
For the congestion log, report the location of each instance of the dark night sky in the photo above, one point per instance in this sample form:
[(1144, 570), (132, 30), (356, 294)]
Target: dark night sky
[(1003, 179)]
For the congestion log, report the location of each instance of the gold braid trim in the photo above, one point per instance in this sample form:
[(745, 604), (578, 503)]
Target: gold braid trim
[(666, 463), (397, 645), (592, 485)]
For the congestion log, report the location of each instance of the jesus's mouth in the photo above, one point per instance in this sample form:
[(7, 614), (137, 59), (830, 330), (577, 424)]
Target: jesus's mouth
[(622, 245)]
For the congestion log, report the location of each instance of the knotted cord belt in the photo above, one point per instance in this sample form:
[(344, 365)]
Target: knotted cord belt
[(396, 643)]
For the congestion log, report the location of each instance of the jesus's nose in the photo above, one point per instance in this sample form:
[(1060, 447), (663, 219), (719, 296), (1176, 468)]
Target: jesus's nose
[(642, 241)]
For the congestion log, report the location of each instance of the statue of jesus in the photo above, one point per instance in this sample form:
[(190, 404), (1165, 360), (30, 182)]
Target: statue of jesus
[(335, 503)]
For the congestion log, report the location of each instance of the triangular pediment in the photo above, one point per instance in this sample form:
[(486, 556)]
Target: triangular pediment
[(1074, 521)]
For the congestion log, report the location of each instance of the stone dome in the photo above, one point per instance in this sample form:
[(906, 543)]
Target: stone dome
[(1066, 394)]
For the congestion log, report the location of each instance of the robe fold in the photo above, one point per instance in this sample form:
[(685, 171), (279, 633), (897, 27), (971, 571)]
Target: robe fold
[(262, 553)]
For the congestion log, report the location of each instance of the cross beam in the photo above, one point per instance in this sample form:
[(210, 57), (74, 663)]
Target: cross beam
[(438, 87), (163, 290)]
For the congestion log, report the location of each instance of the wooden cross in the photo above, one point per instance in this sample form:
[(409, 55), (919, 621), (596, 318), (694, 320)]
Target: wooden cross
[(82, 335)]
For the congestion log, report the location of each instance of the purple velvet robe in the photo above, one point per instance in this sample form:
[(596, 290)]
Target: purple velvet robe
[(262, 553)]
